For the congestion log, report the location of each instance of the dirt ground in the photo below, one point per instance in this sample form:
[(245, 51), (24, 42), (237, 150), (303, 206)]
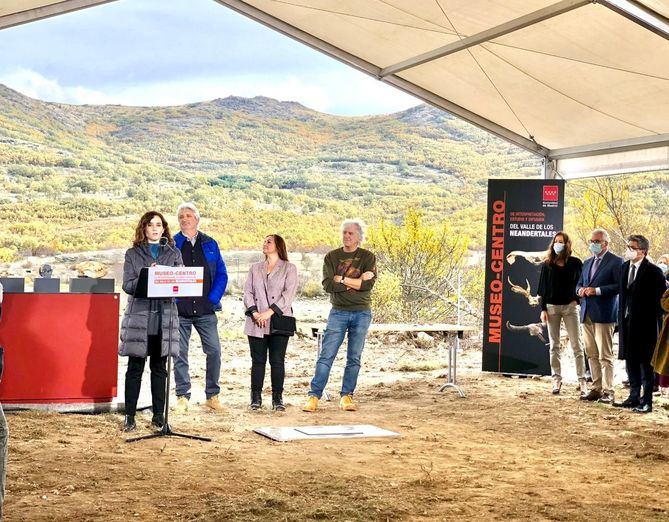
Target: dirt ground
[(509, 450)]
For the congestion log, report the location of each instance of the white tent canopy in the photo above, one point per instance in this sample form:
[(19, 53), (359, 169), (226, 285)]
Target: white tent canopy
[(584, 85)]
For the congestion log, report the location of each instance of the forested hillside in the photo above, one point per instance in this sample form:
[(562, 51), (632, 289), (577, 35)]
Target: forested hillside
[(77, 177)]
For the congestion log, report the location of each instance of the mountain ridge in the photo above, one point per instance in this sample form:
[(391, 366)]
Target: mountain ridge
[(281, 164)]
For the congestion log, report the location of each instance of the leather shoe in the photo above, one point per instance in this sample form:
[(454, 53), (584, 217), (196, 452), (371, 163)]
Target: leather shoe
[(129, 423), (627, 403), (646, 408), (158, 420), (592, 395)]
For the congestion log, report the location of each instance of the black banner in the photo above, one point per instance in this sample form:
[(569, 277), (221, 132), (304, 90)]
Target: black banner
[(523, 216)]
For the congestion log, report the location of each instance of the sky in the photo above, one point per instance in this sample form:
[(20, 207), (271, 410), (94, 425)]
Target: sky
[(172, 52)]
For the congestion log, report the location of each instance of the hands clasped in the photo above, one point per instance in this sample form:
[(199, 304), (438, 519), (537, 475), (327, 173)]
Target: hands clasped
[(262, 318)]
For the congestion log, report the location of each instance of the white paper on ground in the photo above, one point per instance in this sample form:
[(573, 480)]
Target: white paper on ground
[(289, 433)]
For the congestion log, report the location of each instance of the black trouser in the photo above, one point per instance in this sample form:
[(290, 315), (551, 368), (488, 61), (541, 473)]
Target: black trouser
[(133, 378), (276, 346), (641, 377)]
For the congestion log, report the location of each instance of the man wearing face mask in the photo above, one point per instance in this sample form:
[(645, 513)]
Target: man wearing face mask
[(639, 317), (598, 289)]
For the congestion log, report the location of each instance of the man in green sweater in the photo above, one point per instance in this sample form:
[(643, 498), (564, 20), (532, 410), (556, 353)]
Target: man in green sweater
[(349, 274)]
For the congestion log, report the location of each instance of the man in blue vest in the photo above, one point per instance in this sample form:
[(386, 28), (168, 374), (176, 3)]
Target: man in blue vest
[(198, 249)]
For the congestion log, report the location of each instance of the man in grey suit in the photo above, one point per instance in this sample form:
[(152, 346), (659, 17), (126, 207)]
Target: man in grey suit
[(598, 290)]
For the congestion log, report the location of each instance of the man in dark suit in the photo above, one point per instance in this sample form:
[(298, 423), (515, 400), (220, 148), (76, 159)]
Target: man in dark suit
[(598, 290), (639, 317)]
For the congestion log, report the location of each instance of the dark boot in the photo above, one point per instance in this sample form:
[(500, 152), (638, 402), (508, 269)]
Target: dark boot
[(129, 424), (256, 399), (158, 420), (277, 401)]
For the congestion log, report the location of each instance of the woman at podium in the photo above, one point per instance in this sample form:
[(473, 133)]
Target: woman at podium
[(270, 289), (145, 328)]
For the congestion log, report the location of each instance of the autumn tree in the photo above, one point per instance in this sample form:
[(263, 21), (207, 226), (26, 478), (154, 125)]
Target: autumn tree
[(621, 205), (418, 265)]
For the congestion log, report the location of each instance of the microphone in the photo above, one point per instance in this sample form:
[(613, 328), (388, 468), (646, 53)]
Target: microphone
[(164, 242)]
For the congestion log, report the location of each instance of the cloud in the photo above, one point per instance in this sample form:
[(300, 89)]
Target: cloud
[(346, 92), (152, 52), (35, 85)]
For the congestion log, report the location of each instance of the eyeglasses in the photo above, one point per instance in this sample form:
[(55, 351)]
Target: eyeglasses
[(597, 241), (634, 248)]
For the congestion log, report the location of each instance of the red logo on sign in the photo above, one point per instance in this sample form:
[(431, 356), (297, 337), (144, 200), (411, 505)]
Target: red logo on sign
[(175, 289), (550, 192)]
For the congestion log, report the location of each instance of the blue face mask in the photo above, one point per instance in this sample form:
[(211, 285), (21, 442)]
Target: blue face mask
[(663, 267), (595, 248), (558, 247)]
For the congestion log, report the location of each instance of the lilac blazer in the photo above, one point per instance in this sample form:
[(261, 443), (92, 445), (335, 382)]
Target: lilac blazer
[(280, 287)]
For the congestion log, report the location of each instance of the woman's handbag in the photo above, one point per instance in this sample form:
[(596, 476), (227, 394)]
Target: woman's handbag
[(282, 325)]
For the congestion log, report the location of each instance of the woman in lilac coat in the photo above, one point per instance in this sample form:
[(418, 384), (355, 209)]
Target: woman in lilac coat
[(270, 289)]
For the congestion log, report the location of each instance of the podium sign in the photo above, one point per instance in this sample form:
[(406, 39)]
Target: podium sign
[(175, 281)]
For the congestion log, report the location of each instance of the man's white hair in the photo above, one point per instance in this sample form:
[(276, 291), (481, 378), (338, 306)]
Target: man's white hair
[(604, 233), (358, 223), (190, 206)]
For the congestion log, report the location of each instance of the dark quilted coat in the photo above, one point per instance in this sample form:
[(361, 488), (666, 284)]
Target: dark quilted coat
[(135, 321)]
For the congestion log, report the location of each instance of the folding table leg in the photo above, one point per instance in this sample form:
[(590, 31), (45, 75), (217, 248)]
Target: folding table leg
[(453, 366)]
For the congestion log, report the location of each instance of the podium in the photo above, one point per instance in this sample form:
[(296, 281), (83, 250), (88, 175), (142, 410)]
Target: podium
[(161, 282)]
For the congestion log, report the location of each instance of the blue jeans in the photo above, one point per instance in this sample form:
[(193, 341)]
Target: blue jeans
[(206, 326), (340, 322)]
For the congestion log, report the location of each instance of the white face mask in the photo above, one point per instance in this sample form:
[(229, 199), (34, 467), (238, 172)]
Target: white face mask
[(663, 267), (629, 255), (558, 247)]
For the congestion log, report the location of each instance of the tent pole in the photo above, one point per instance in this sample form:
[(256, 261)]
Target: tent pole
[(550, 168)]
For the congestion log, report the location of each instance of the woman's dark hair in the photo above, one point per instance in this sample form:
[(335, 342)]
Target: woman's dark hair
[(551, 256), (140, 235), (280, 245)]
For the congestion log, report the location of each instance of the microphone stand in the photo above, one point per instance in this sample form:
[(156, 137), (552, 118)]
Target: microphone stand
[(166, 430)]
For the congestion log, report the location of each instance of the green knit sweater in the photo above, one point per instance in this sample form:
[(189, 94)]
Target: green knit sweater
[(350, 265)]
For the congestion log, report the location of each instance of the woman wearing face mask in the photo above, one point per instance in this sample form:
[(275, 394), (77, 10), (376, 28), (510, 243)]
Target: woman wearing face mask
[(145, 329), (557, 288)]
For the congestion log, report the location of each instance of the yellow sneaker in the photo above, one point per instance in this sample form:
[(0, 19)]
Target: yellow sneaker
[(182, 405), (214, 404), (311, 405), (346, 403)]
